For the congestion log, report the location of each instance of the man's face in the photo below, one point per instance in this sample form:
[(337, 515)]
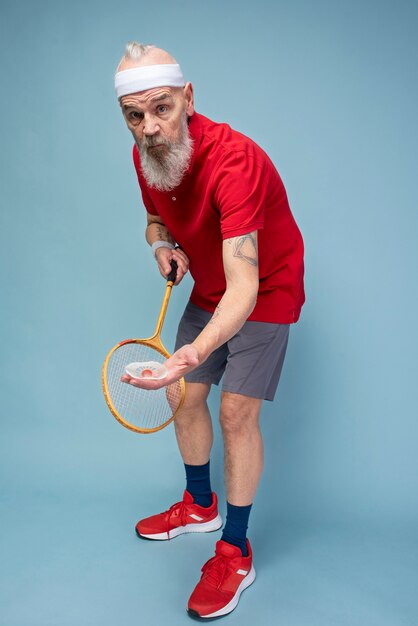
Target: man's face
[(157, 119), (155, 113)]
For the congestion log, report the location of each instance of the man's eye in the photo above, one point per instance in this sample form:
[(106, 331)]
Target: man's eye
[(162, 108), (134, 115)]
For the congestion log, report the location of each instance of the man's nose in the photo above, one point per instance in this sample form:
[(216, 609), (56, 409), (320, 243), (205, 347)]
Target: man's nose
[(151, 126)]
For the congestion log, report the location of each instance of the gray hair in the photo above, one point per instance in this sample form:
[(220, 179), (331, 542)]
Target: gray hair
[(135, 50)]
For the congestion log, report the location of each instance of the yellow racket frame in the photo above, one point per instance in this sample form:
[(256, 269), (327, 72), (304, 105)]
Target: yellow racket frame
[(153, 342)]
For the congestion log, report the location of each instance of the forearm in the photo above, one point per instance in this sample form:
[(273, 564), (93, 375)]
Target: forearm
[(230, 315), (158, 232), (240, 259)]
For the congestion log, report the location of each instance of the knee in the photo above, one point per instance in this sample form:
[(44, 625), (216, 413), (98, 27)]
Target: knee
[(237, 415), (190, 412), (195, 402)]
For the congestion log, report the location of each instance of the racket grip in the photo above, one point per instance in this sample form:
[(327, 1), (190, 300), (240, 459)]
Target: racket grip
[(172, 275)]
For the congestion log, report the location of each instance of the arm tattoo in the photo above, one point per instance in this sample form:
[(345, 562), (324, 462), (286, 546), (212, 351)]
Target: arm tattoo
[(245, 248), (163, 234), (215, 314)]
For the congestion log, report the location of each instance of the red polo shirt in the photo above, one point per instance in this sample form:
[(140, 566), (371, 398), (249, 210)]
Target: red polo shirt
[(232, 188)]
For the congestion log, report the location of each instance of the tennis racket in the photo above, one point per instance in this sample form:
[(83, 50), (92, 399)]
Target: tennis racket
[(142, 410)]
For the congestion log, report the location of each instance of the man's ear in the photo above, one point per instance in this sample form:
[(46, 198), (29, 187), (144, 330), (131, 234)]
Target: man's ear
[(189, 97)]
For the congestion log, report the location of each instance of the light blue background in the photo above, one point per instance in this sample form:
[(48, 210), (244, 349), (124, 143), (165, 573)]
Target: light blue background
[(328, 89)]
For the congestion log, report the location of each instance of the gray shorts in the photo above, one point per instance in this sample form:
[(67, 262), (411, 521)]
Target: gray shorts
[(251, 361)]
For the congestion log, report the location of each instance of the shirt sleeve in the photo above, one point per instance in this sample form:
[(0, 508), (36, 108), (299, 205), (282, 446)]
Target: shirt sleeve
[(145, 195), (241, 184)]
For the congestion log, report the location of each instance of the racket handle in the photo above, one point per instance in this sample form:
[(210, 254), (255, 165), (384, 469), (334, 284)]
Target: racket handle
[(172, 275)]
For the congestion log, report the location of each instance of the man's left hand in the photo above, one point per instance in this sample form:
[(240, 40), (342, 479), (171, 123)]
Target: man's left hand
[(183, 361)]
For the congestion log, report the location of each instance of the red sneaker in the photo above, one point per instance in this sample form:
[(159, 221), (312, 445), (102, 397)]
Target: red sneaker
[(224, 578), (182, 517)]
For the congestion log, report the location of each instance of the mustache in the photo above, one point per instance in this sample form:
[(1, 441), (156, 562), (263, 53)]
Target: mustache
[(149, 142)]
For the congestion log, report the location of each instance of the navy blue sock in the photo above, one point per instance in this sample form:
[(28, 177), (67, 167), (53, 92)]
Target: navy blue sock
[(198, 483), (235, 530)]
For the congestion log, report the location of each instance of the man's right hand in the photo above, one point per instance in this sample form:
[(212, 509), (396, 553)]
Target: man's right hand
[(164, 256)]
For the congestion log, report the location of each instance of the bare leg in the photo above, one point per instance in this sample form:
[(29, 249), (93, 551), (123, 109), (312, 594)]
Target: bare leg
[(193, 425), (244, 454)]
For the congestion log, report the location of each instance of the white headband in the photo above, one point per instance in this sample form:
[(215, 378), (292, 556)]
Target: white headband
[(148, 77)]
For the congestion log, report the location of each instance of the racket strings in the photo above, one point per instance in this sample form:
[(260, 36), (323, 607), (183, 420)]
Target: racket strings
[(141, 408)]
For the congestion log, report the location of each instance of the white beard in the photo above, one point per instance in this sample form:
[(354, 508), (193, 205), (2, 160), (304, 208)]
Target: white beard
[(164, 171)]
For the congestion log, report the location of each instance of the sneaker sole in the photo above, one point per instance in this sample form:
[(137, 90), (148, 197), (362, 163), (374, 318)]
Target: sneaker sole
[(228, 608), (204, 527)]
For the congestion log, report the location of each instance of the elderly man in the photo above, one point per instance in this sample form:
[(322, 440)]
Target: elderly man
[(217, 206)]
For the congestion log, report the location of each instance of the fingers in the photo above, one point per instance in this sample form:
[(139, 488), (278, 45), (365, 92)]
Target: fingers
[(180, 257), (164, 256), (182, 264), (143, 384)]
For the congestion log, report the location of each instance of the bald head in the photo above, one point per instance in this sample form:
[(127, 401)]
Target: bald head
[(144, 67), (140, 55)]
